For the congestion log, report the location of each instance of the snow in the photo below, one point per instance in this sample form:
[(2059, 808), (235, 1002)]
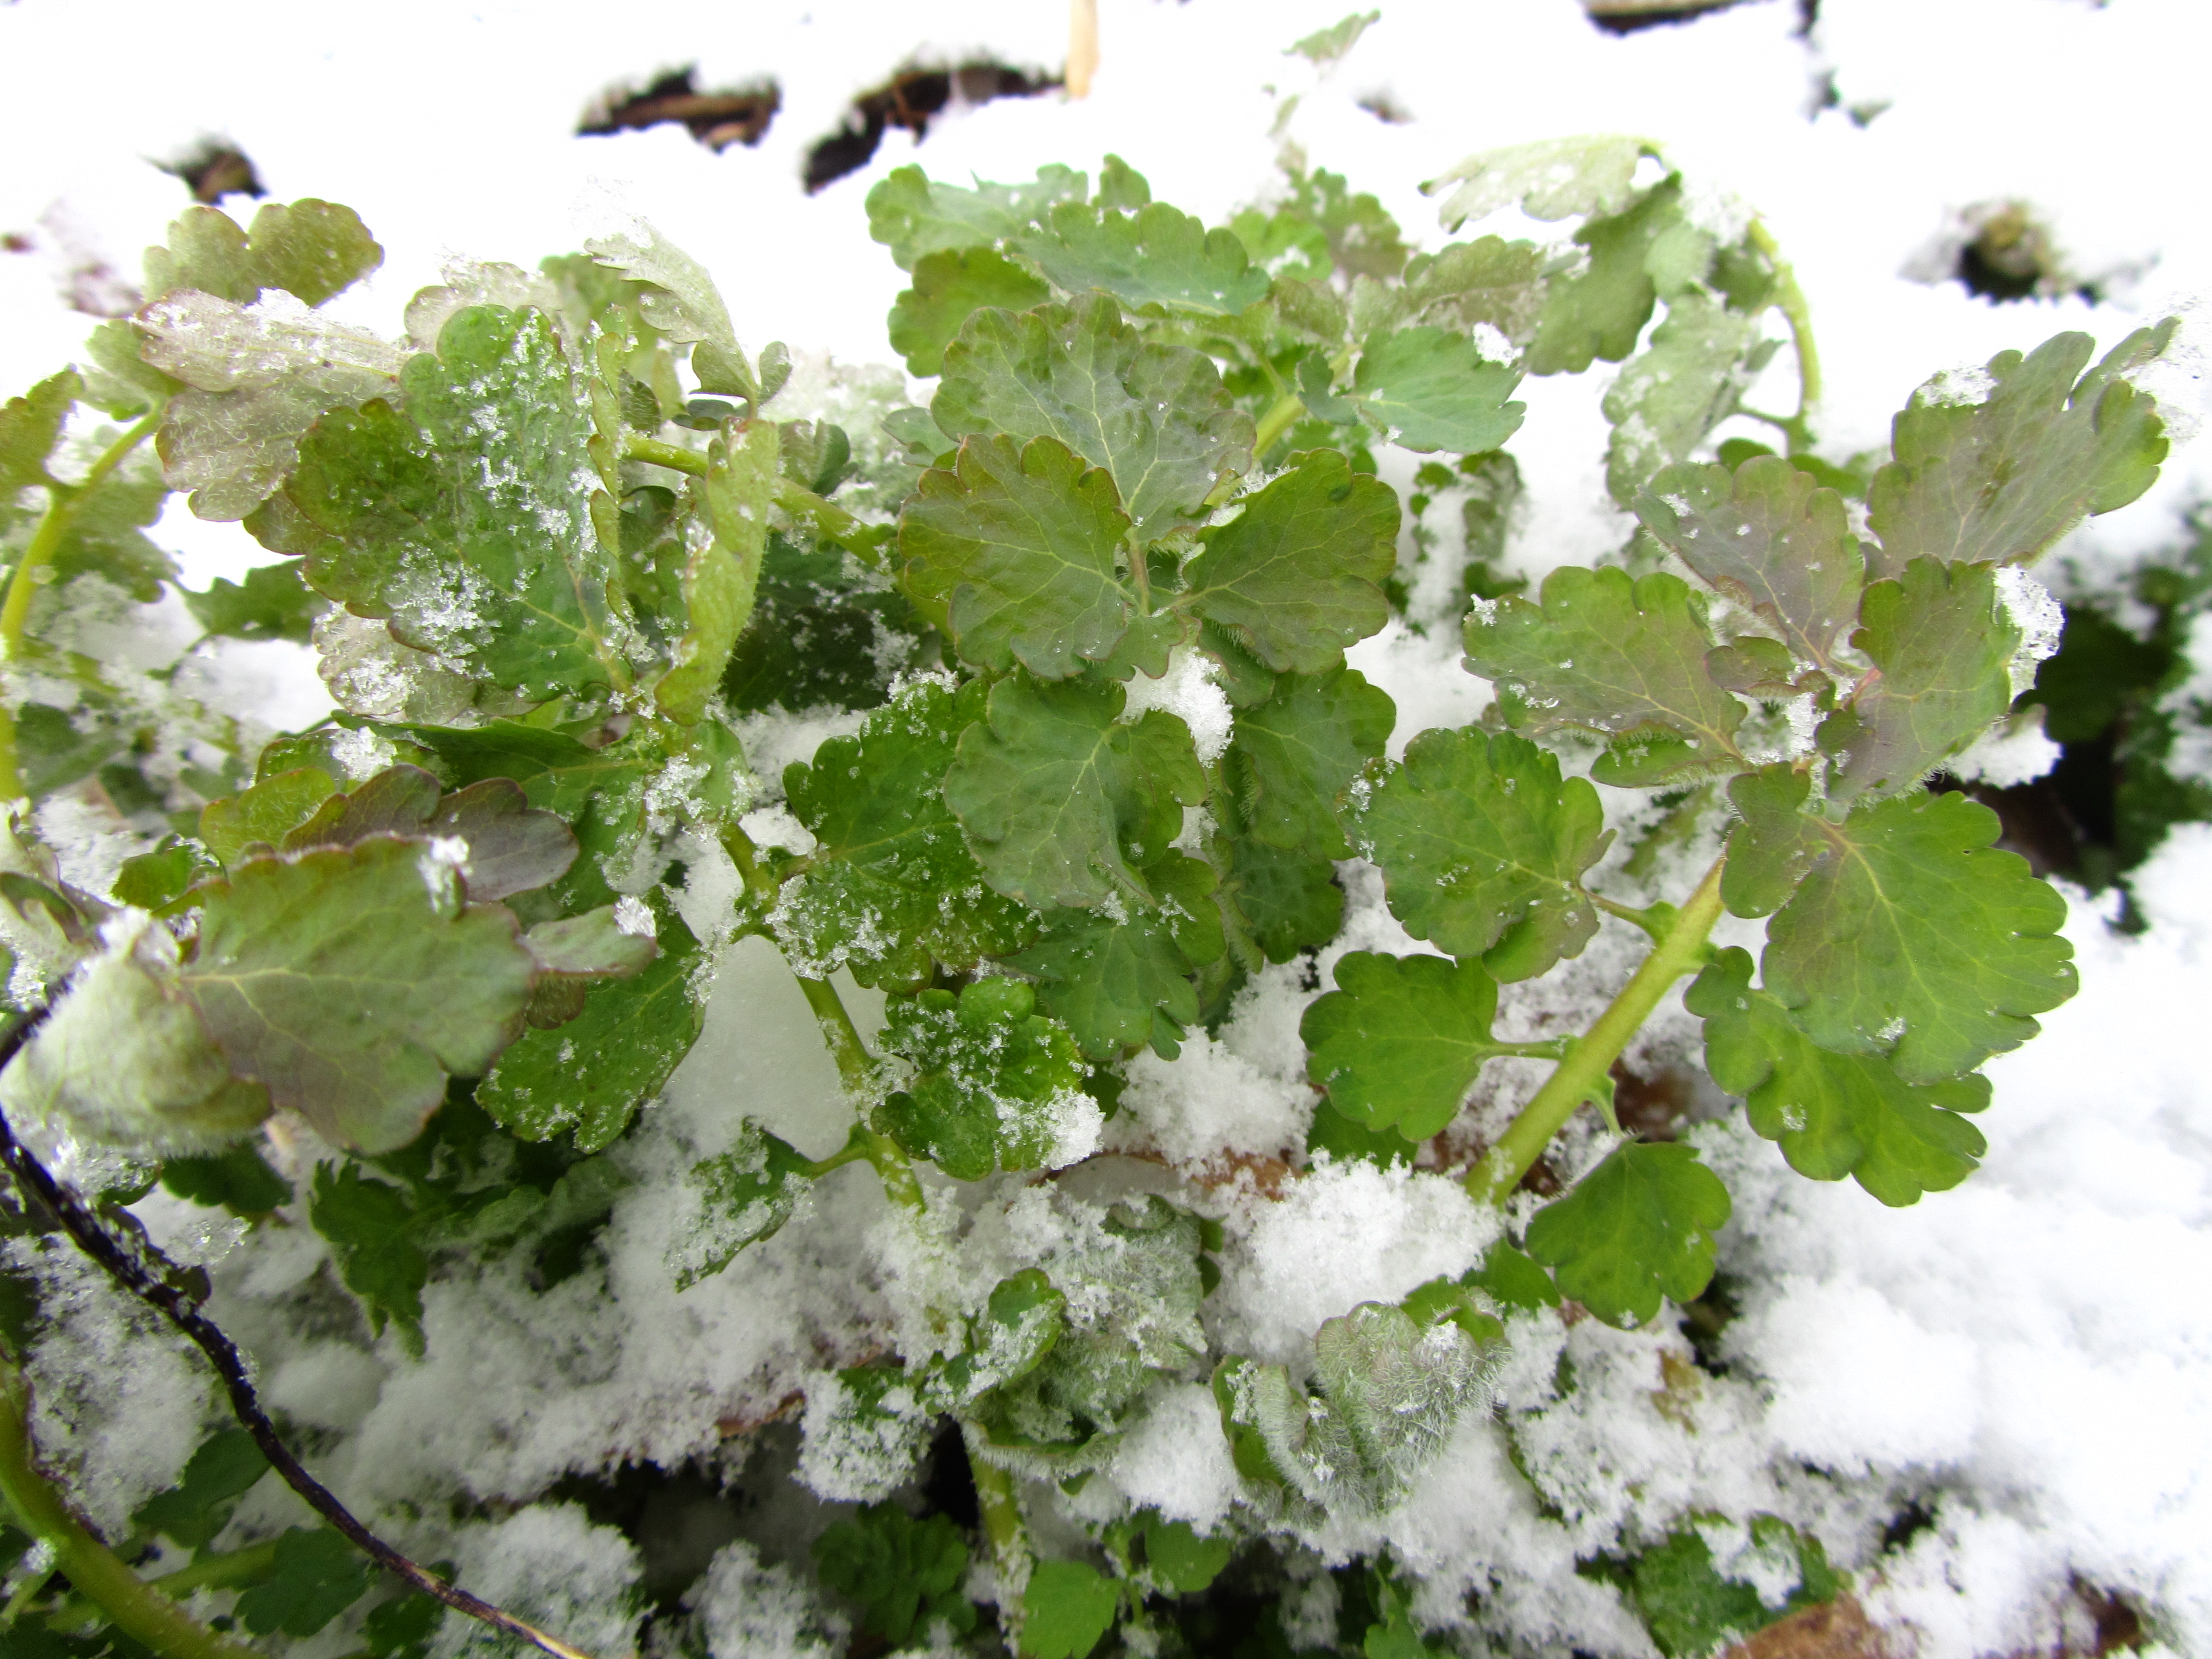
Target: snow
[(2029, 1356)]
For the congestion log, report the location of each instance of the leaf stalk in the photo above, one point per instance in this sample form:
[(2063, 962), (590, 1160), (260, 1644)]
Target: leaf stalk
[(1583, 1074)]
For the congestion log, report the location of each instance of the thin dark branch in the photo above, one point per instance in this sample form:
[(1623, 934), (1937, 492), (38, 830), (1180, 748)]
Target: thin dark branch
[(154, 1278)]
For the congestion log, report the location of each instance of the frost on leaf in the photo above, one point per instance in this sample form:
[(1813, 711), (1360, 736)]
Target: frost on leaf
[(2000, 480), (256, 377), (891, 890), (464, 516), (1483, 846), (1155, 416), (1015, 550), (721, 566), (1006, 1340), (1431, 389), (1770, 536), (505, 847), (125, 1060), (1157, 257), (742, 1196), (1296, 575), (682, 301), (1908, 935), (914, 215), (994, 1086), (1639, 1225), (1677, 388), (1943, 643), (1833, 1114), (1551, 178), (352, 982), (1118, 975), (1620, 656), (1400, 1041), (1063, 803), (1389, 1391), (1294, 757)]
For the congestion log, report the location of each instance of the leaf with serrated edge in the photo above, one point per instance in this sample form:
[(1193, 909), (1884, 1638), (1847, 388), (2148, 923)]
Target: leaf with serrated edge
[(310, 249), (1017, 552), (1833, 1114), (350, 981), (1943, 641), (1770, 536), (1483, 846), (1158, 256), (1293, 758), (508, 847), (913, 214), (273, 603), (949, 287), (745, 1195), (997, 1085), (1676, 390), (1911, 936), (1155, 416), (266, 812), (891, 890), (1119, 982), (1999, 480), (374, 1235), (1067, 1607), (464, 519), (1551, 178), (682, 302), (1433, 390), (1400, 1041), (1296, 576), (1062, 803), (1639, 1225), (722, 571), (31, 427), (257, 378), (1611, 654), (1599, 312)]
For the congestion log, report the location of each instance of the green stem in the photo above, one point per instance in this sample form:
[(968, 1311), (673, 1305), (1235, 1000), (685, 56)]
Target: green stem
[(1657, 920), (833, 523), (1791, 299), (674, 457), (139, 1609), (1583, 1073), (221, 1572), (1000, 1504), (30, 574), (857, 1071), (1276, 421)]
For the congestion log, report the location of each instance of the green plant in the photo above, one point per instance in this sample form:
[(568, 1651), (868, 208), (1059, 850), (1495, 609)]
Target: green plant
[(1110, 756)]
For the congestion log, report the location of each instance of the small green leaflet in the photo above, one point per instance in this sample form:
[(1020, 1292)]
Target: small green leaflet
[(31, 427), (906, 1574), (1118, 976), (1024, 1317), (311, 250), (273, 603), (1943, 641), (1910, 936), (1834, 1114), (461, 517), (1677, 388), (913, 215), (1552, 179), (1512, 1279), (1999, 479), (949, 287), (1433, 390), (1400, 1040), (374, 1236), (1287, 902), (237, 1179), (1489, 280), (996, 1086), (350, 981), (1183, 1559), (590, 1075), (1599, 312), (1320, 225), (721, 571), (1063, 803), (318, 1575), (1692, 1610), (200, 1504), (744, 1195), (1297, 575), (680, 299), (1158, 256), (1770, 536), (1483, 846), (1639, 1225), (1294, 757), (506, 848), (1616, 655), (1155, 416), (891, 890), (1067, 1607), (1017, 552), (263, 813)]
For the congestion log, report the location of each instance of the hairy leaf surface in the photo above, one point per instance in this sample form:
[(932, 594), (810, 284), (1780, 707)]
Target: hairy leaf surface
[(1156, 256), (913, 214), (1120, 978)]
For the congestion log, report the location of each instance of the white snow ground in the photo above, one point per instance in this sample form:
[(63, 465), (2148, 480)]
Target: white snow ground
[(2032, 1351)]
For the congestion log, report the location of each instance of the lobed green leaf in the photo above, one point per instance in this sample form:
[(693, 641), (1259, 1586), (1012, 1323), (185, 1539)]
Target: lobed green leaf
[(1401, 1039), (1637, 1226)]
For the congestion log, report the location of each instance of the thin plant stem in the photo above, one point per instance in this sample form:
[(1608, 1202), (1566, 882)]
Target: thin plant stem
[(1000, 1504), (1277, 420), (155, 1279), (674, 457), (139, 1609), (856, 1069), (38, 558), (1583, 1073), (1655, 919), (1790, 298)]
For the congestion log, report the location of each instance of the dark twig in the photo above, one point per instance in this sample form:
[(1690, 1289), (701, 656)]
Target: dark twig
[(153, 1278)]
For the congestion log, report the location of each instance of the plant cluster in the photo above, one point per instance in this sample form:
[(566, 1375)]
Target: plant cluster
[(1105, 763)]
